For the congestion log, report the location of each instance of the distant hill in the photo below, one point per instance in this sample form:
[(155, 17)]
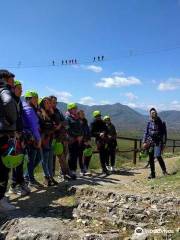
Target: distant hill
[(172, 119), (127, 119), (124, 118)]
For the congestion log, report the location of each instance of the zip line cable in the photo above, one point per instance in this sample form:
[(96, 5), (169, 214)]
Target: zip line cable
[(94, 60)]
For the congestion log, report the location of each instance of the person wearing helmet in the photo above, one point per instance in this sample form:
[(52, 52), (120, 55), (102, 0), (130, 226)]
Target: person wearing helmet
[(32, 133), (18, 185), (60, 137), (99, 130), (112, 143), (47, 127), (154, 141), (75, 137), (85, 150), (8, 118)]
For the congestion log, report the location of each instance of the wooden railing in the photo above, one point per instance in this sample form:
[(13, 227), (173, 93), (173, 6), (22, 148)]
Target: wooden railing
[(137, 146)]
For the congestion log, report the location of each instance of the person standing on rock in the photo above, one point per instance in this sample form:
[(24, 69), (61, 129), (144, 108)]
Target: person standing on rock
[(112, 143), (99, 130), (154, 140), (8, 118)]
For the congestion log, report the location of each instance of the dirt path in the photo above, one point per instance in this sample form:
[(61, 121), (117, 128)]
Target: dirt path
[(62, 207), (124, 180)]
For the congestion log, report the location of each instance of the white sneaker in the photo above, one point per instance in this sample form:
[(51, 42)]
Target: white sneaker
[(81, 174), (108, 167), (87, 174), (112, 169), (6, 206), (18, 190)]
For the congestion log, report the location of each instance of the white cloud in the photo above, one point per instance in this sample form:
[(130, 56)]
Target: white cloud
[(87, 101), (131, 96), (91, 101), (169, 85), (61, 95), (118, 81), (92, 68)]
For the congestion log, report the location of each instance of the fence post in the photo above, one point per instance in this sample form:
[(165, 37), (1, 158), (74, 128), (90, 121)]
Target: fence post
[(135, 152), (174, 145)]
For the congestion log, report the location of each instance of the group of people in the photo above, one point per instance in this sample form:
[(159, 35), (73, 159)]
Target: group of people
[(35, 128)]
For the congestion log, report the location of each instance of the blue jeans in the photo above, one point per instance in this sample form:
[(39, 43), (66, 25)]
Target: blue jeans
[(47, 162), (34, 158)]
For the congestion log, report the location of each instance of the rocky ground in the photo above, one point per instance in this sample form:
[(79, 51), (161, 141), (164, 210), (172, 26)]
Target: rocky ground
[(124, 205)]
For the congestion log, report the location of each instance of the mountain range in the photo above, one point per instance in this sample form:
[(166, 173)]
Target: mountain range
[(127, 119)]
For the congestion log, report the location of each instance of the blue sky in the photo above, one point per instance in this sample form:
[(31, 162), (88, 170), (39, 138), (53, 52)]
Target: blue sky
[(37, 32)]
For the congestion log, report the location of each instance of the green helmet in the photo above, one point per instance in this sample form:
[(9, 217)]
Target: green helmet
[(57, 147), (87, 152), (106, 117), (96, 113), (30, 94), (71, 106), (143, 155), (17, 82), (11, 161)]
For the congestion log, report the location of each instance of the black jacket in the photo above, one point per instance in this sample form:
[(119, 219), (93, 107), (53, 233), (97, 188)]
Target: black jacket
[(8, 109), (97, 127), (85, 129), (19, 122)]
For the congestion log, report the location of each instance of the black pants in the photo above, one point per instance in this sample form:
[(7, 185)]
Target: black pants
[(103, 154), (80, 157), (87, 162), (152, 164), (17, 176), (73, 155), (4, 172), (111, 156)]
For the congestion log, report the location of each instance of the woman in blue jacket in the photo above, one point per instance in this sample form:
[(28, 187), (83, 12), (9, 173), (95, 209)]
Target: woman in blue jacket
[(32, 132)]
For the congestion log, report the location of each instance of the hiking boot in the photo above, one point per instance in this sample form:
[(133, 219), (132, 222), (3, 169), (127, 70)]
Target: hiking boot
[(67, 177), (106, 172), (47, 182), (25, 187), (6, 206), (151, 176), (165, 173), (73, 175), (34, 184), (18, 190)]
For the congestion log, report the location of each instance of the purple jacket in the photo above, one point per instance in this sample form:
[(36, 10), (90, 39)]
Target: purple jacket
[(31, 121)]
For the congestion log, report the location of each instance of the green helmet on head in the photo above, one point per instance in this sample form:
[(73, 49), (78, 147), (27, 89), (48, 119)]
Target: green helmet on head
[(71, 106), (106, 117), (96, 113), (30, 94), (17, 82)]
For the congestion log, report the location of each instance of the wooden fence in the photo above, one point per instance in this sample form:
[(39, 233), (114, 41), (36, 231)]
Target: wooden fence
[(171, 143)]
